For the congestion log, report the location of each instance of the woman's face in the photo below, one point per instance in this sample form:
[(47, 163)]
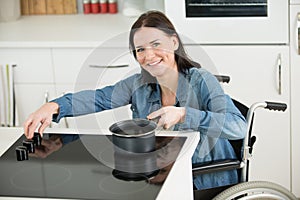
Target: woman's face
[(155, 50)]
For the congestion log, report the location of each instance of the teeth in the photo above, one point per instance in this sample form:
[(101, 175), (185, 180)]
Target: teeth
[(154, 63)]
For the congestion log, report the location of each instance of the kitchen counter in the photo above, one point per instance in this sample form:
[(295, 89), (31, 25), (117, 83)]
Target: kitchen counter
[(64, 30), (178, 184)]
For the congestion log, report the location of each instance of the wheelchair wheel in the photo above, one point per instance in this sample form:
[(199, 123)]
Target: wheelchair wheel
[(256, 190)]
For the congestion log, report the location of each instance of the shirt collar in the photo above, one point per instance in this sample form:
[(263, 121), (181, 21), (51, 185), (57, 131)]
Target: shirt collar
[(154, 94)]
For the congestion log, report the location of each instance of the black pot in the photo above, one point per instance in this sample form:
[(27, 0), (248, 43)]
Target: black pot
[(135, 166), (136, 135)]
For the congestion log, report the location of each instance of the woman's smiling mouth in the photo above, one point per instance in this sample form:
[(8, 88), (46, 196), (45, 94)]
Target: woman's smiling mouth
[(154, 63)]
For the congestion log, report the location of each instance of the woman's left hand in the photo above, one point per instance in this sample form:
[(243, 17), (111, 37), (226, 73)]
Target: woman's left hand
[(168, 116)]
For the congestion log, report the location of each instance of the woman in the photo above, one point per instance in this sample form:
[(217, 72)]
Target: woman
[(171, 88)]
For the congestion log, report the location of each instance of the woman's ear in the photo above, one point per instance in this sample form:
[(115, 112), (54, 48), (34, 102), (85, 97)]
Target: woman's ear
[(175, 42)]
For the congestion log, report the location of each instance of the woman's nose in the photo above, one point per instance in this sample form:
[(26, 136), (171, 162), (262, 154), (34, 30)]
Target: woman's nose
[(149, 53)]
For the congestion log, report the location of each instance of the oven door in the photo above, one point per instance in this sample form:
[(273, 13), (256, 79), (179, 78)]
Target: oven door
[(230, 22)]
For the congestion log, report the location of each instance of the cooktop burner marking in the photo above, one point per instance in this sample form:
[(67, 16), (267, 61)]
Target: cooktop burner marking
[(113, 185), (55, 175)]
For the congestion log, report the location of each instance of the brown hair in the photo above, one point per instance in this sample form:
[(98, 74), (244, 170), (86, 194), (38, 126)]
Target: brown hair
[(157, 19)]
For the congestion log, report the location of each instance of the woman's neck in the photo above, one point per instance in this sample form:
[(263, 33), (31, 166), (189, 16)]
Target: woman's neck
[(168, 85)]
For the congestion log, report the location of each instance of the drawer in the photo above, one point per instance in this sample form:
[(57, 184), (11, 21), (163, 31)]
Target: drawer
[(101, 120), (93, 67), (29, 97), (294, 2), (33, 65), (67, 63)]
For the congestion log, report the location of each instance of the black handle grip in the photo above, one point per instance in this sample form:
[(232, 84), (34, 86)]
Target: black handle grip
[(276, 106), (222, 78)]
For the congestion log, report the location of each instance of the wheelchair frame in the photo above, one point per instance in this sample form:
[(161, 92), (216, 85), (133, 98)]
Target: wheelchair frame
[(243, 189)]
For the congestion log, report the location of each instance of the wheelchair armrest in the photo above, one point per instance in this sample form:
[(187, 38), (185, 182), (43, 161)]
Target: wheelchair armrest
[(220, 165)]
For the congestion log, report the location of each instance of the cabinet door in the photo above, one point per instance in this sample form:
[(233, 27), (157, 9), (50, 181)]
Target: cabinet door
[(295, 98), (68, 62), (29, 97), (254, 72), (92, 67), (33, 65), (33, 77), (294, 2), (79, 69), (96, 121)]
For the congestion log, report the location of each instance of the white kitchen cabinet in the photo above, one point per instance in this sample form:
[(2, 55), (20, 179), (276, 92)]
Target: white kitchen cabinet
[(95, 121), (33, 77), (254, 72), (67, 63), (34, 65), (29, 97), (295, 97), (292, 2), (92, 67), (85, 68)]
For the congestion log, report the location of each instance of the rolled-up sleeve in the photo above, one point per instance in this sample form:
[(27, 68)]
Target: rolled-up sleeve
[(91, 101), (216, 115)]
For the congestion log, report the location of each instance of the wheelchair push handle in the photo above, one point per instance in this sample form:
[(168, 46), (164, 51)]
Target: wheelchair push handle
[(276, 106), (223, 78)]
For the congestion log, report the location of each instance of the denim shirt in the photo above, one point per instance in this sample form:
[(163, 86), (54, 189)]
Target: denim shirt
[(208, 110)]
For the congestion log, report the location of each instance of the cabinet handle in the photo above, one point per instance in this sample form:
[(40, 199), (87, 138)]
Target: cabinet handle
[(109, 66), (46, 97), (46, 101), (65, 119), (298, 33), (279, 64), (66, 122)]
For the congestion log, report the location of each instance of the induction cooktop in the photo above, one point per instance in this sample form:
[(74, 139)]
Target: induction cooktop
[(86, 167)]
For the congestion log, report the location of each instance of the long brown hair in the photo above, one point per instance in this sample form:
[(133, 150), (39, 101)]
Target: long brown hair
[(157, 19)]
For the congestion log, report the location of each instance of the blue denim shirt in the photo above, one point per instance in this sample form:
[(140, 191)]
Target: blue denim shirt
[(208, 110)]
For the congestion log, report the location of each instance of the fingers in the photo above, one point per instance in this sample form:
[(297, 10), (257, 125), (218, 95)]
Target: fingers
[(29, 127), (42, 117), (43, 126), (168, 116), (156, 114), (158, 117), (26, 124)]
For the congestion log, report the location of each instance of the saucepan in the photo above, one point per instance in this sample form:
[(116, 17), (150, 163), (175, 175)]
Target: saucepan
[(135, 166), (134, 135), (134, 149)]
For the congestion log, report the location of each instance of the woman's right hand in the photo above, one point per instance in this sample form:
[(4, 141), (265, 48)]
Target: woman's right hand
[(42, 118), (48, 146)]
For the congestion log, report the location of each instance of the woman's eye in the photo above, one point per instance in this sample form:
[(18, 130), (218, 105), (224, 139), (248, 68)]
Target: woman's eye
[(156, 44), (139, 50)]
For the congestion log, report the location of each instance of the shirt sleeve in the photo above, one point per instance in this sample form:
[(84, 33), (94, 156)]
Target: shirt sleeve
[(216, 115), (91, 101)]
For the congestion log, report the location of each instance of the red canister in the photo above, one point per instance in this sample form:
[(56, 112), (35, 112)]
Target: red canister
[(95, 8), (112, 6), (103, 6), (86, 6)]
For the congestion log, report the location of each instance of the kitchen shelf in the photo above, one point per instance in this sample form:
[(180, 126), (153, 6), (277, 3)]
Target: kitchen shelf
[(65, 30)]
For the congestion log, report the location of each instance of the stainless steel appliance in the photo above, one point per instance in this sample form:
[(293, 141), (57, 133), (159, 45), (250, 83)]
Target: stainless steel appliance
[(230, 21)]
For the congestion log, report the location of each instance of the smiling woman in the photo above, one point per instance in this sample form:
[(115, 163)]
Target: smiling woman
[(171, 88), (155, 51)]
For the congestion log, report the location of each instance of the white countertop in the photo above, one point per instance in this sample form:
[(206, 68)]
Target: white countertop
[(178, 184), (78, 30)]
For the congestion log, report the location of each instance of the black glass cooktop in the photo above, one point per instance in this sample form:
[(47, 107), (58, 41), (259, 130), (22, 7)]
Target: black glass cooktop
[(87, 167)]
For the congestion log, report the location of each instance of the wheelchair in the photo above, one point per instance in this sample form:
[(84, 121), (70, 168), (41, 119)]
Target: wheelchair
[(244, 189)]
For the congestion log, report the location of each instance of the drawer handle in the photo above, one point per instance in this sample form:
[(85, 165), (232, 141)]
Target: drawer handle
[(279, 65), (46, 96), (298, 33), (109, 66)]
